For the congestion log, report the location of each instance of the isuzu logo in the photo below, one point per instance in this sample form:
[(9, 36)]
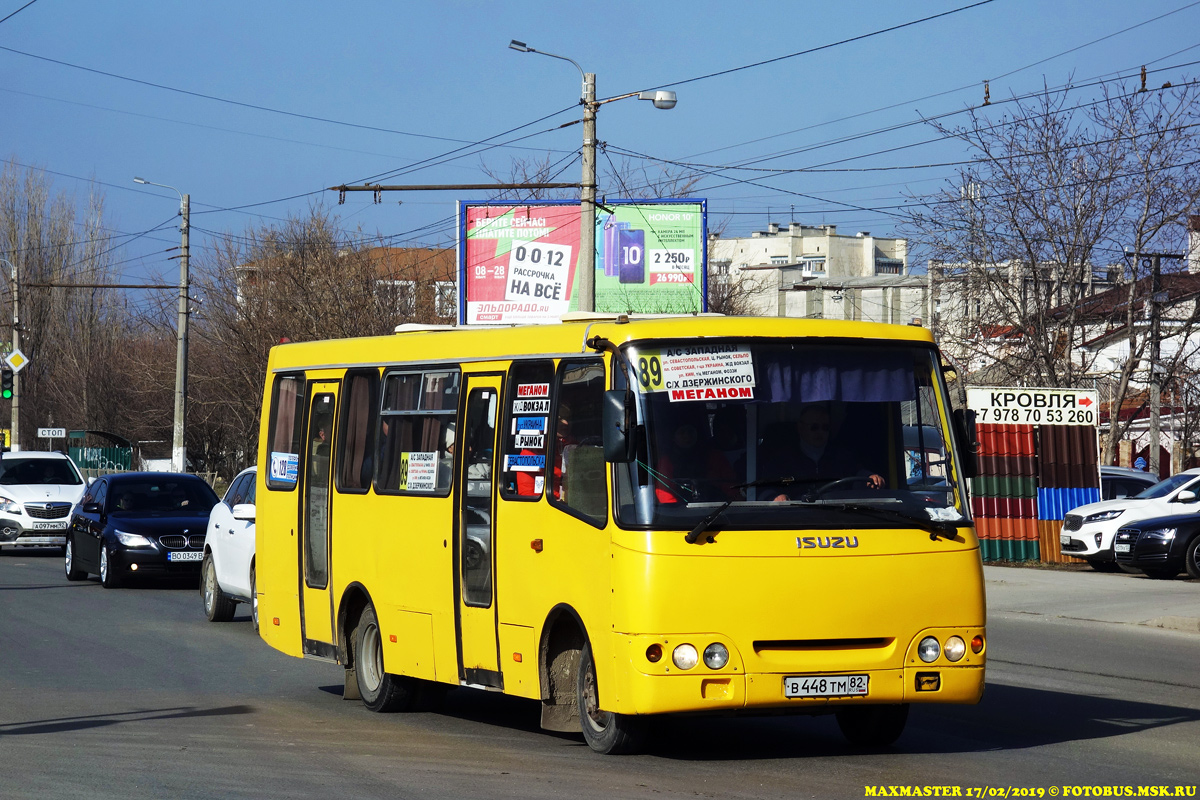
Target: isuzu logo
[(835, 542)]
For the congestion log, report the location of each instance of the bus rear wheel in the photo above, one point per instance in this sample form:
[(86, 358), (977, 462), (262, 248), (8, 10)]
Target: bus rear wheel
[(604, 731), (380, 690), (872, 726)]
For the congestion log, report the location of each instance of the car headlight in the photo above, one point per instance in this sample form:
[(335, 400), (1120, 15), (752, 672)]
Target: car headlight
[(1161, 533), (1102, 516), (133, 540), (929, 649), (9, 506)]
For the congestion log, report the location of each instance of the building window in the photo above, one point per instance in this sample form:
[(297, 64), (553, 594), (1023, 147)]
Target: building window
[(779, 259), (445, 298), (889, 266), (399, 295)]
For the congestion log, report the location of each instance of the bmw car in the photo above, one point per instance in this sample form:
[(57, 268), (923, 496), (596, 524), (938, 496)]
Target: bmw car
[(139, 523)]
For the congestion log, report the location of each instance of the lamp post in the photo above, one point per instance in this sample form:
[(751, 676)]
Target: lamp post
[(14, 427), (178, 448), (585, 279)]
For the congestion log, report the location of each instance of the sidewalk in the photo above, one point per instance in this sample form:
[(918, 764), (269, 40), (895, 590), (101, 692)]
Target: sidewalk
[(1088, 595)]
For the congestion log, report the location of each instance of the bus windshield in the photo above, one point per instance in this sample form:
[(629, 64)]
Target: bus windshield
[(802, 433)]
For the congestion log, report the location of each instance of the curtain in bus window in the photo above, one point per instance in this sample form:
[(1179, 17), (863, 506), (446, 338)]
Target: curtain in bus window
[(285, 421), (845, 374), (355, 442)]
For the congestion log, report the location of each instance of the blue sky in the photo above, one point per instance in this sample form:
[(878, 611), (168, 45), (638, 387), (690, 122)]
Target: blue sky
[(431, 77)]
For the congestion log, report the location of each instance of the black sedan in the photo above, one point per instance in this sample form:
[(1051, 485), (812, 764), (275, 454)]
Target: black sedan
[(139, 523), (1161, 547)]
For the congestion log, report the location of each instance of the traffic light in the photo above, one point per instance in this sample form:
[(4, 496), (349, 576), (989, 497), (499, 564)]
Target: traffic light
[(6, 384)]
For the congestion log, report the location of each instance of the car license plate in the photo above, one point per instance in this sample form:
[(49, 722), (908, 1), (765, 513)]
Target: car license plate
[(190, 556), (1121, 548), (825, 685), (50, 526), (1064, 539)]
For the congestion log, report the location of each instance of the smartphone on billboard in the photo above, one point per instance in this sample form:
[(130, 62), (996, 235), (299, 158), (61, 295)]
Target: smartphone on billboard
[(632, 247), (612, 257)]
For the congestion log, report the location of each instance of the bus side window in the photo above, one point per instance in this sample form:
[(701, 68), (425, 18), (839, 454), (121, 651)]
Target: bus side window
[(526, 430), (357, 432), (578, 480), (285, 432), (416, 432)]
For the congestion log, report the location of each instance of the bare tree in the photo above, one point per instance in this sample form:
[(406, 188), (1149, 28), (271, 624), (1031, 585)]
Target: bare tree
[(75, 338), (1037, 225), (300, 281)]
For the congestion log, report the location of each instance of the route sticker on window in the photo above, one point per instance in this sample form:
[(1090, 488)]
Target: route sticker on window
[(699, 372), (285, 468), (533, 390), (525, 463), (531, 407), (528, 425), (530, 441), (418, 471)]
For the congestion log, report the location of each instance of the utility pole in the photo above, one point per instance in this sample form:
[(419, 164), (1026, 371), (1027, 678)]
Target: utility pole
[(1157, 296), (1155, 388), (16, 343), (585, 277), (178, 448)]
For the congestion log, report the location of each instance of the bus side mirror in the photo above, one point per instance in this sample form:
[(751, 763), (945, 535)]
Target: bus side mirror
[(968, 445), (618, 420)]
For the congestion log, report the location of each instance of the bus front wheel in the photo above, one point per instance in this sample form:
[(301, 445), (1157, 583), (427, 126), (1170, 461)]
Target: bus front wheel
[(380, 690), (604, 731), (872, 726)]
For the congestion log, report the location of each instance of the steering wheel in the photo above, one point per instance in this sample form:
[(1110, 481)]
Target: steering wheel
[(813, 494)]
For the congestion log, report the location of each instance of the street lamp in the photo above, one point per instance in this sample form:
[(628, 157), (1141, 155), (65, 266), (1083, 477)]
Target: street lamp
[(585, 280), (178, 448)]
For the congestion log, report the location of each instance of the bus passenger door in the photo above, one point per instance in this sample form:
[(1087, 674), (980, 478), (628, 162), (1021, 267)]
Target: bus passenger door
[(475, 558), (316, 602)]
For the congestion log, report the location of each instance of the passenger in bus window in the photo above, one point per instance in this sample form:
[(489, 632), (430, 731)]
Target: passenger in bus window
[(812, 455), (446, 457)]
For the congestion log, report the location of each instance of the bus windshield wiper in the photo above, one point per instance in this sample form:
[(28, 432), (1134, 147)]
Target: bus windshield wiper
[(945, 529), (709, 519)]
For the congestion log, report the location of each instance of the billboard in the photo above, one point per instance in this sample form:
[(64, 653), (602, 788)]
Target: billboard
[(517, 262)]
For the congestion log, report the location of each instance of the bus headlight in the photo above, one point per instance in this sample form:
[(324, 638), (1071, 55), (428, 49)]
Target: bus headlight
[(716, 655), (929, 649), (685, 656), (956, 648)]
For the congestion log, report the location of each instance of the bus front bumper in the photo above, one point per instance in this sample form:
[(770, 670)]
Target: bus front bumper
[(695, 692)]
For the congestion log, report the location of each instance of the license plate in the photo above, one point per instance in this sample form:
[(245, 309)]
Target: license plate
[(50, 526), (1064, 540), (1121, 548), (825, 685), (192, 556)]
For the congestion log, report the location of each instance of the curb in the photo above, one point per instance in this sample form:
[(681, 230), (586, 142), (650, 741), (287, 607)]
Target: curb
[(1188, 624)]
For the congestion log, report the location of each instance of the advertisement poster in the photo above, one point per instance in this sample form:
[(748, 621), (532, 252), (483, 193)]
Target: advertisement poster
[(517, 263)]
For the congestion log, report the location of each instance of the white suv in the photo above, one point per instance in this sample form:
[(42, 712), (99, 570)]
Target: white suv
[(1088, 531), (227, 574), (37, 492)]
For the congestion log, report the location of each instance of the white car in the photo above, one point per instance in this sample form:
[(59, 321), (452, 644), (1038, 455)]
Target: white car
[(227, 573), (37, 492), (1088, 531)]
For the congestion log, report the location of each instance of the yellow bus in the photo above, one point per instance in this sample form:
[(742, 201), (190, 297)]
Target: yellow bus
[(626, 517)]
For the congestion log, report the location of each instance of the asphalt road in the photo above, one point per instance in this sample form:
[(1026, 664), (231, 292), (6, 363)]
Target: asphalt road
[(132, 693)]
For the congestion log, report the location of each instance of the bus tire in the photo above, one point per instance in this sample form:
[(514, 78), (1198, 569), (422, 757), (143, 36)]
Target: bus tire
[(605, 732), (381, 691), (872, 726)]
